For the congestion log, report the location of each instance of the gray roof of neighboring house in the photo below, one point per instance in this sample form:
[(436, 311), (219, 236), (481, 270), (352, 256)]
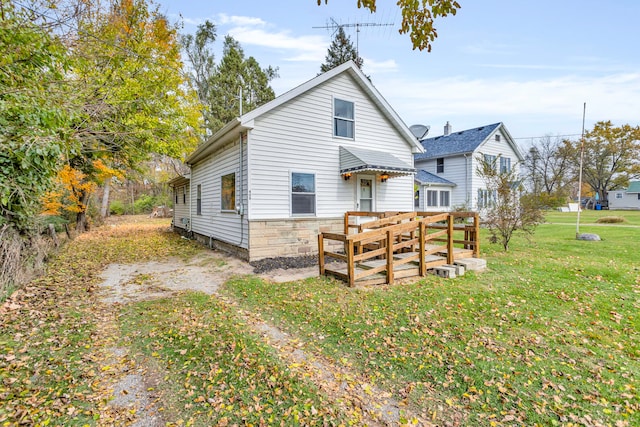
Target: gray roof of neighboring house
[(424, 177), (465, 141), (634, 187)]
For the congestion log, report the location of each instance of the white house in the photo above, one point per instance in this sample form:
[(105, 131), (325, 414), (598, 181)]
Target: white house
[(446, 172), (625, 199), (268, 182)]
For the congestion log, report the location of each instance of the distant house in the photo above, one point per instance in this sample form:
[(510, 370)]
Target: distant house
[(625, 199), (268, 182), (446, 172)]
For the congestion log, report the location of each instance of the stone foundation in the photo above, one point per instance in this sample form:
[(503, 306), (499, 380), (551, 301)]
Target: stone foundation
[(289, 238)]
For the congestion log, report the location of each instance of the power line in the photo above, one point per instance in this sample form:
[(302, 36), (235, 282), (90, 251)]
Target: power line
[(544, 136)]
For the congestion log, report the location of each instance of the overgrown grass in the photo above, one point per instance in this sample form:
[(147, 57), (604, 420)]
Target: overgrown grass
[(549, 335), (216, 372)]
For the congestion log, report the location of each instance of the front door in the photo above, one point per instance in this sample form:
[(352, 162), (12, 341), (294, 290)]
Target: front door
[(366, 192)]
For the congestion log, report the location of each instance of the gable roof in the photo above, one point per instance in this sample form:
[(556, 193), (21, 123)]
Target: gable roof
[(245, 122), (456, 143), (424, 177), (634, 187)]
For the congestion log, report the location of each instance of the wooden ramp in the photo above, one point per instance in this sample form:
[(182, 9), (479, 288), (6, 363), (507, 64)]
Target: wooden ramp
[(398, 245)]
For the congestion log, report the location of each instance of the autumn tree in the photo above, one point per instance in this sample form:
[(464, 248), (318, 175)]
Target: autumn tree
[(34, 116), (611, 156), (130, 90), (340, 51), (418, 18), (508, 209), (550, 171), (235, 73)]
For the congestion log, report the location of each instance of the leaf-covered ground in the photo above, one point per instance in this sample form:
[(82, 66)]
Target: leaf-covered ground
[(549, 335)]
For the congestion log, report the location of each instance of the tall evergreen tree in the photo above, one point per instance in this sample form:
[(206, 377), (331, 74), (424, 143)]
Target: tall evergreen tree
[(235, 72), (340, 51)]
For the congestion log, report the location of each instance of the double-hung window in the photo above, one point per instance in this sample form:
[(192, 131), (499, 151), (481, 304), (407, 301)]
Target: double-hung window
[(303, 193), (444, 198), (199, 200), (505, 165), (343, 118), (490, 160), (432, 198), (184, 194), (440, 165), (228, 192)]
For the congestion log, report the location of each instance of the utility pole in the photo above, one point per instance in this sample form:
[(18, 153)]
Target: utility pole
[(334, 25)]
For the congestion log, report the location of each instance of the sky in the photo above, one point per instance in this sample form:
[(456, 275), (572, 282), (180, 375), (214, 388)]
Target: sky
[(529, 64)]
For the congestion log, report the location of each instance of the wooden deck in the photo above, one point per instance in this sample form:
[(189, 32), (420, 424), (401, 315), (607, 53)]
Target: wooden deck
[(398, 245)]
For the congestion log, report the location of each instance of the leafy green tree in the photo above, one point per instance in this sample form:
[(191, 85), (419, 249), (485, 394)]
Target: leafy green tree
[(508, 209), (130, 90), (34, 117), (418, 18), (549, 166), (610, 156), (340, 51), (236, 72), (197, 49)]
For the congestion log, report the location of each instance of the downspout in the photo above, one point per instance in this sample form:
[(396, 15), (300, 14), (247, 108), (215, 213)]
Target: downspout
[(240, 207), (190, 199), (466, 181)]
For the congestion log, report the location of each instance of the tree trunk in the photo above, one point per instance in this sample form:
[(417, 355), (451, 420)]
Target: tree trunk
[(81, 217), (104, 208)]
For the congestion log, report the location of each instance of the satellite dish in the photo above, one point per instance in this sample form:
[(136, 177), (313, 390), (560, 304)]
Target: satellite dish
[(419, 131)]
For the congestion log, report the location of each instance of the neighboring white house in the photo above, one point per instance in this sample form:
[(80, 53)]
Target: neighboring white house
[(625, 199), (446, 172), (268, 182)]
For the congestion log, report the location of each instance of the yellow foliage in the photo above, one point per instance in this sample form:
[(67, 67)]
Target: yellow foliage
[(73, 186)]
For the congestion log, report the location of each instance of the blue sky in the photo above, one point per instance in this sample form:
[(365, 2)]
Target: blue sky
[(529, 64)]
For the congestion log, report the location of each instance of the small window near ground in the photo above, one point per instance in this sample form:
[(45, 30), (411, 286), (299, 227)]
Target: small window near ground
[(444, 198), (638, 196), (343, 118), (303, 193), (440, 165), (228, 192), (432, 198), (199, 200), (619, 195), (486, 198)]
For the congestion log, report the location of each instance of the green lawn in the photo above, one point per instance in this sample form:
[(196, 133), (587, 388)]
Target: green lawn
[(549, 335)]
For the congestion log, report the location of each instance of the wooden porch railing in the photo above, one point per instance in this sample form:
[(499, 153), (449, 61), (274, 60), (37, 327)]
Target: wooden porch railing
[(398, 245)]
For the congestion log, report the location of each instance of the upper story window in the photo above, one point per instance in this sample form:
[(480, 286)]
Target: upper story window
[(440, 165), (343, 118), (303, 193), (497, 137), (490, 160), (505, 164)]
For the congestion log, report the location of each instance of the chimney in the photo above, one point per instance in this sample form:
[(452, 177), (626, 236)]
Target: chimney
[(447, 129)]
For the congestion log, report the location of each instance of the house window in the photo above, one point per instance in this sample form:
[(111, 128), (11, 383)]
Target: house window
[(416, 199), (498, 138), (228, 192), (619, 195), (184, 194), (175, 193), (505, 165), (440, 165), (444, 198), (303, 193), (486, 198), (490, 160), (343, 118), (432, 198), (199, 200), (638, 196)]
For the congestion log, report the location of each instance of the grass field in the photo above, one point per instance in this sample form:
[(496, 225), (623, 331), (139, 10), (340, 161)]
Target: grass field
[(548, 335)]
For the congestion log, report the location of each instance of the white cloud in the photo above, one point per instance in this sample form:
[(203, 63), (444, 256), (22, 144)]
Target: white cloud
[(373, 66), (224, 19)]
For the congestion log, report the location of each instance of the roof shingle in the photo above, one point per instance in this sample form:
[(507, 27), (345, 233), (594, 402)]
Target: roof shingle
[(465, 141)]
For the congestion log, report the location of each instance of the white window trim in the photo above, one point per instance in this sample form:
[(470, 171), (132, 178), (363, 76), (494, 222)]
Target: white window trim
[(235, 192), (334, 117), (315, 195)]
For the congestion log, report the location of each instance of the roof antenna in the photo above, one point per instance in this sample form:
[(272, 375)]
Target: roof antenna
[(334, 26)]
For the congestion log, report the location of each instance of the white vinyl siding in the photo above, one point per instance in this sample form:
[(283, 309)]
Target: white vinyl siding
[(220, 224), (298, 136), (181, 209)]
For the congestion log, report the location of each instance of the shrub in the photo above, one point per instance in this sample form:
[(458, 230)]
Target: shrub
[(611, 220), (116, 207), (144, 204)]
